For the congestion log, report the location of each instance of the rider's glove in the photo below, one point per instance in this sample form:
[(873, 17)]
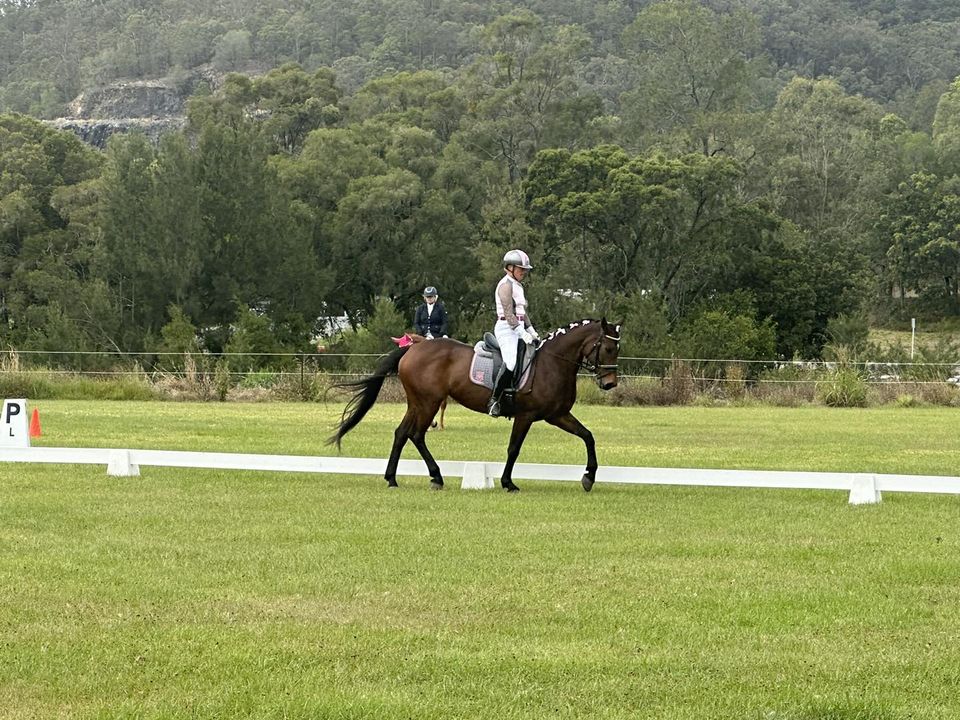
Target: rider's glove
[(526, 337), (532, 330), (429, 336)]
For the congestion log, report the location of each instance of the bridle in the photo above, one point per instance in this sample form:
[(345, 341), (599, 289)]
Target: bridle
[(598, 369), (584, 363)]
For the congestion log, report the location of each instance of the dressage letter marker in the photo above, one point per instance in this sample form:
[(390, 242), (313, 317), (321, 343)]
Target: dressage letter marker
[(14, 432)]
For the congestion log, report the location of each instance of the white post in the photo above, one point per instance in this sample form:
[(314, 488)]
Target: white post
[(913, 335), (120, 465), (14, 430), (863, 490), (475, 477)]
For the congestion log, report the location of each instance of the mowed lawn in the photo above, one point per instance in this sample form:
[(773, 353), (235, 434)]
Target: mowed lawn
[(219, 594)]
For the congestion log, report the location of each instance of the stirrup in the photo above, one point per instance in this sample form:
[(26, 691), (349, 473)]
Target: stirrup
[(493, 409)]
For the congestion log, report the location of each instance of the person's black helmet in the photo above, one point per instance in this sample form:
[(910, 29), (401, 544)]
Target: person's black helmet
[(430, 291)]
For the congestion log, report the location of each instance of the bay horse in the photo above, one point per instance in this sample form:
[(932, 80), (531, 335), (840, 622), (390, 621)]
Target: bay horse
[(432, 370)]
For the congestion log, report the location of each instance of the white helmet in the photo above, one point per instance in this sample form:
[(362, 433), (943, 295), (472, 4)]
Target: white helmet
[(518, 258)]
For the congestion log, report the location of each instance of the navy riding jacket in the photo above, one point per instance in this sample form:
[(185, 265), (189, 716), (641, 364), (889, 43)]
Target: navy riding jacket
[(434, 324)]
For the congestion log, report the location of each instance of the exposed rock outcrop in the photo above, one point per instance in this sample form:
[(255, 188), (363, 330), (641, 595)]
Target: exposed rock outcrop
[(96, 131), (153, 107)]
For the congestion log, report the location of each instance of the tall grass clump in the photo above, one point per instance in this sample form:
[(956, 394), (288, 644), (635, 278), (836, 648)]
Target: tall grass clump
[(679, 384), (735, 382), (843, 386)]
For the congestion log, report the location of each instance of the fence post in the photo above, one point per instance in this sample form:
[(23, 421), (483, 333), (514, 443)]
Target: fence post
[(864, 490), (303, 362)]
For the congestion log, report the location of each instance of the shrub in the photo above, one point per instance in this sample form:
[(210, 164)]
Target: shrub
[(679, 384), (843, 388), (735, 386)]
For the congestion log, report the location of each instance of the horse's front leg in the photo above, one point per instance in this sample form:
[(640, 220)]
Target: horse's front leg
[(521, 425), (573, 426)]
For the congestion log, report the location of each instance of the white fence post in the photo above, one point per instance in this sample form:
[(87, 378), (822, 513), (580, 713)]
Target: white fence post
[(120, 465), (864, 490), (475, 477)]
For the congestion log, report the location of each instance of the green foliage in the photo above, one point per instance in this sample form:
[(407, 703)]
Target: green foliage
[(726, 328), (850, 331), (253, 333), (649, 156), (179, 337), (373, 338), (843, 388)]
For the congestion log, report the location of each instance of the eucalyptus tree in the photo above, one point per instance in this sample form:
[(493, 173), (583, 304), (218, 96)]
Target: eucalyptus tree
[(639, 224), (922, 227), (525, 76), (695, 73), (829, 177), (46, 291)]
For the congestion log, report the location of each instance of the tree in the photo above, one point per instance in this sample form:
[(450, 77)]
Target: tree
[(922, 227), (639, 224), (694, 75), (526, 76)]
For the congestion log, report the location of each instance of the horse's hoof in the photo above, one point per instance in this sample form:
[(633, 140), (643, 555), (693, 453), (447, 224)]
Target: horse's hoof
[(434, 485), (511, 488), (392, 485), (587, 482)]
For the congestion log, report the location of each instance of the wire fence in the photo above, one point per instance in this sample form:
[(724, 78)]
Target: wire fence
[(287, 366)]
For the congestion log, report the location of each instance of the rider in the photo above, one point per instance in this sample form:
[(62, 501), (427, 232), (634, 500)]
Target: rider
[(430, 319), (513, 327)]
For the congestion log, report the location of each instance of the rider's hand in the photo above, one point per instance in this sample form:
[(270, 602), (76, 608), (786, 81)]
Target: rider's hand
[(533, 331), (428, 336), (526, 337)]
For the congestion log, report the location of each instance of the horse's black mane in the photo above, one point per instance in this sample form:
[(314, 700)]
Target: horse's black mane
[(572, 326)]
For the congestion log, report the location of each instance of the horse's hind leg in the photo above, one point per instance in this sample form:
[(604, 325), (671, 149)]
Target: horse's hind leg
[(420, 441), (400, 437), (419, 438), (443, 409)]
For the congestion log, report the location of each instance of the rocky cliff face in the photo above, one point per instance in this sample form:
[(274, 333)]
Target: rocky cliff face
[(150, 106), (96, 132), (153, 107)]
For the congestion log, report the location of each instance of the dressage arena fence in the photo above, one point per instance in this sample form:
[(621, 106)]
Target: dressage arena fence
[(863, 488)]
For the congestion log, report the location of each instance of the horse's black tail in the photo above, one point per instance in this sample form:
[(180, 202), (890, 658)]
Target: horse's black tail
[(366, 393)]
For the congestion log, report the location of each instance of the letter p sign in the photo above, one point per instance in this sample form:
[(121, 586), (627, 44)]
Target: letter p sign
[(14, 430)]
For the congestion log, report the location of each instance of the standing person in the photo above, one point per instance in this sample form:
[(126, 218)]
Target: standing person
[(430, 319), (513, 327)]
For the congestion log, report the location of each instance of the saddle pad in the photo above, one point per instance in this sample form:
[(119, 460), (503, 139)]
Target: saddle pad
[(482, 370), (485, 366)]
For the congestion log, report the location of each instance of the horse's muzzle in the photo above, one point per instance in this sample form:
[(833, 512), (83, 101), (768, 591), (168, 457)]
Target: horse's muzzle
[(608, 383)]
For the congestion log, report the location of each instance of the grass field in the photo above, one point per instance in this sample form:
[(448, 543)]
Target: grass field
[(220, 594)]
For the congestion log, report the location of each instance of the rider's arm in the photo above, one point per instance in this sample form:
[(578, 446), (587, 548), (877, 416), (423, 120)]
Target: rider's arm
[(443, 318), (505, 293), (418, 326)]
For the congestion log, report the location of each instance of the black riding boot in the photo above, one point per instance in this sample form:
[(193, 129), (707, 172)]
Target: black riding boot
[(504, 380)]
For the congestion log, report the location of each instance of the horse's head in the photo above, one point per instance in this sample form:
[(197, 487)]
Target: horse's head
[(603, 355)]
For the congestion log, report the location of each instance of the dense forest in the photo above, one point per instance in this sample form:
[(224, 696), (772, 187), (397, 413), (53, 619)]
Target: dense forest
[(748, 179)]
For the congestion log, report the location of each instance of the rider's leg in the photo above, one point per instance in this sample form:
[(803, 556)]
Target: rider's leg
[(507, 338)]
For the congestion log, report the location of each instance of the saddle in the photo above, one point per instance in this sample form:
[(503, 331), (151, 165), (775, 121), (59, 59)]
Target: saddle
[(487, 361)]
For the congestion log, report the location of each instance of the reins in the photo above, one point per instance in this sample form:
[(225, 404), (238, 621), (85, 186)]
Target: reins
[(582, 362)]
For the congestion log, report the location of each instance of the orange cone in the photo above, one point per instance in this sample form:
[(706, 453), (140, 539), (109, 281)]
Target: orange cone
[(35, 424)]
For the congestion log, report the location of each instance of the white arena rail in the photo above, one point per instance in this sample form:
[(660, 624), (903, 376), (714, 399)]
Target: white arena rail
[(863, 487)]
